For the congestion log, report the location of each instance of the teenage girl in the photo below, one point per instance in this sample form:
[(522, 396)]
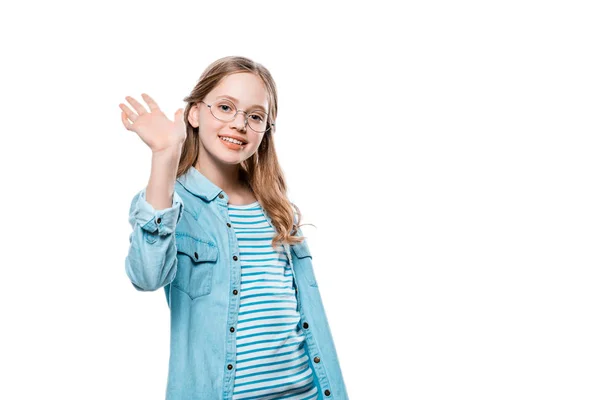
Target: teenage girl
[(215, 229)]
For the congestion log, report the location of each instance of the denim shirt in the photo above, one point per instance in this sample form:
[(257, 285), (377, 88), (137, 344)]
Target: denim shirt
[(192, 252)]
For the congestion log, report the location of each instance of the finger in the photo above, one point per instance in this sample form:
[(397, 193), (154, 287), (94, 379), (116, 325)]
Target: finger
[(126, 122), (151, 103), (138, 107), (130, 114)]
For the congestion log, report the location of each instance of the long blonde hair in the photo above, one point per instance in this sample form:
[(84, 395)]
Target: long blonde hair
[(261, 171)]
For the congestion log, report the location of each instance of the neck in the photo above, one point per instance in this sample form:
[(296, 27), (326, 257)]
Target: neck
[(225, 176)]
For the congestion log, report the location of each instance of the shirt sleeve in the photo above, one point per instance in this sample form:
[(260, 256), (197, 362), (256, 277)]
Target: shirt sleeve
[(151, 220), (151, 262)]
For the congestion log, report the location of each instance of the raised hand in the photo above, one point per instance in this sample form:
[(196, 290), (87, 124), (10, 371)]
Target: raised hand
[(154, 128)]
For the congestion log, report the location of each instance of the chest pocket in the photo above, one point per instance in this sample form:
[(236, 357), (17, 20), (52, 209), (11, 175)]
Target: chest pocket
[(303, 266), (196, 259)]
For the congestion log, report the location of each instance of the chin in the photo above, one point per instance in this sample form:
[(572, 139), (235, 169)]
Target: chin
[(231, 162), (230, 157)]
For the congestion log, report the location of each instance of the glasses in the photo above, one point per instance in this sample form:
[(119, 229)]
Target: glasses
[(225, 110)]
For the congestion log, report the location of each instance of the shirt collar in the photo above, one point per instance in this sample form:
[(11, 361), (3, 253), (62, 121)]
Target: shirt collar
[(196, 183)]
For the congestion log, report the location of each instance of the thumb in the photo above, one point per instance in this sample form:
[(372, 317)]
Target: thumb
[(178, 115)]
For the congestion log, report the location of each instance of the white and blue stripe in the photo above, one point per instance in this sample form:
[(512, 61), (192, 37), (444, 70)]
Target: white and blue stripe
[(272, 362)]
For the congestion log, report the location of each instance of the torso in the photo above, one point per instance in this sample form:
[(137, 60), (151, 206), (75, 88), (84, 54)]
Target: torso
[(270, 343)]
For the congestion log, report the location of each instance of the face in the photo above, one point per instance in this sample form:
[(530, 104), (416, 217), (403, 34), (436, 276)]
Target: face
[(246, 91)]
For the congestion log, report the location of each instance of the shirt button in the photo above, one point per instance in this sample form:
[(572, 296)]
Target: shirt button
[(228, 225), (220, 195), (305, 325), (158, 220), (232, 329), (229, 366), (317, 359), (235, 291), (234, 258), (196, 255), (327, 392)]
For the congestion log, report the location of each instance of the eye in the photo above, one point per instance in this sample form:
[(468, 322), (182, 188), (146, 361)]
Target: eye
[(257, 117), (225, 107)]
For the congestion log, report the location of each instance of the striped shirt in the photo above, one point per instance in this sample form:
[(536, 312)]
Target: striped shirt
[(271, 359)]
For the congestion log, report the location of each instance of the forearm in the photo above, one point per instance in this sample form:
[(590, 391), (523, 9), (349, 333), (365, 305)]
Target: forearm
[(163, 174)]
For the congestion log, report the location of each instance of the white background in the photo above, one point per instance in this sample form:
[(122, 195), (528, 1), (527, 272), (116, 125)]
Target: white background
[(447, 152)]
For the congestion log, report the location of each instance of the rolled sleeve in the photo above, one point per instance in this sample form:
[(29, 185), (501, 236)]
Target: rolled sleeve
[(151, 260), (151, 220)]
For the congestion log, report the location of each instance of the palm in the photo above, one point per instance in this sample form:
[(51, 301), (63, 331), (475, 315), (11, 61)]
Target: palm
[(154, 127)]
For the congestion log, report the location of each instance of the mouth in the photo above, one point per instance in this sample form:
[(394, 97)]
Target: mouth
[(232, 144), (231, 140)]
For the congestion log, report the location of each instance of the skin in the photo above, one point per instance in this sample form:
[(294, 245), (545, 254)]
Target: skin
[(217, 162)]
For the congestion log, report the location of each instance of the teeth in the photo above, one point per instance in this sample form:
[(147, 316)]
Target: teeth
[(231, 140)]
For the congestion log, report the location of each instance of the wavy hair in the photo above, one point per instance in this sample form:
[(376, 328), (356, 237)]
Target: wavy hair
[(261, 172)]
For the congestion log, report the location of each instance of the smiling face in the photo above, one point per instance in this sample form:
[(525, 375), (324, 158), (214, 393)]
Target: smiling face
[(245, 91)]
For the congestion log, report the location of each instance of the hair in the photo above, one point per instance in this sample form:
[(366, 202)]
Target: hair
[(261, 172)]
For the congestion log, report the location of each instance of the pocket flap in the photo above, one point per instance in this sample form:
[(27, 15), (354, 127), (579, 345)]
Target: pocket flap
[(198, 250), (301, 249)]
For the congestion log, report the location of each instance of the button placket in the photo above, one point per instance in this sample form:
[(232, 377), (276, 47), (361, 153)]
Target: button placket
[(309, 338), (230, 357)]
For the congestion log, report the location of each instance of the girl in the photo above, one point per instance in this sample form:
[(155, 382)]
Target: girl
[(215, 229)]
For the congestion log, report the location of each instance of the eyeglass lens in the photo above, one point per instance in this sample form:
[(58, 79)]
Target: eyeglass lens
[(225, 110)]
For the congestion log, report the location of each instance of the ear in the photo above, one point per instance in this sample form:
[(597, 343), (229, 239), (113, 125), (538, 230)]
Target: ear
[(193, 116)]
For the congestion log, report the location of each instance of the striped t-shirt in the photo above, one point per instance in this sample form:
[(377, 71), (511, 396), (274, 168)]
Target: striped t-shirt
[(271, 359)]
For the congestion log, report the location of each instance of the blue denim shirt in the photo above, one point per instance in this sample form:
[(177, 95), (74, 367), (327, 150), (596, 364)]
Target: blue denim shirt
[(192, 252)]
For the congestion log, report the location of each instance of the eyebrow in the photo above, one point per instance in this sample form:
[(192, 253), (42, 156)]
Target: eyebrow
[(251, 107)]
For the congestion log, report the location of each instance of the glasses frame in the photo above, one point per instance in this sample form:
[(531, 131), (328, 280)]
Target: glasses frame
[(269, 125)]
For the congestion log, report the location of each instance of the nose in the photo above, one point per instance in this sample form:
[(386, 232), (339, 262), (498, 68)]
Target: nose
[(239, 122)]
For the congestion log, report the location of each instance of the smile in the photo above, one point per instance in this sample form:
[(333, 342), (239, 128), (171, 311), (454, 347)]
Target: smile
[(228, 139)]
